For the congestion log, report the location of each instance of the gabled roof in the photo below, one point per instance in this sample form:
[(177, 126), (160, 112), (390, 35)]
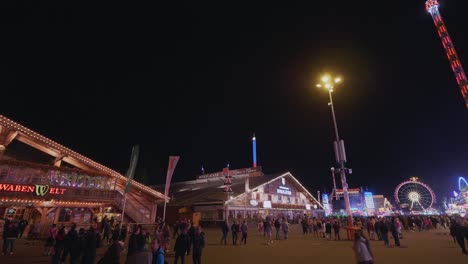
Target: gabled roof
[(14, 131), (205, 191)]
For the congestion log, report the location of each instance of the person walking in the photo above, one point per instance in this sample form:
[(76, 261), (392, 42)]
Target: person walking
[(384, 233), (50, 241), (198, 243), (235, 228), (371, 228), (336, 230), (268, 230), (89, 249), (285, 227), (141, 255), (22, 226), (394, 231), (459, 233), (225, 230), (112, 255), (158, 252), (328, 229), (70, 241), (58, 247), (244, 230), (182, 245), (10, 235), (362, 249), (277, 228)]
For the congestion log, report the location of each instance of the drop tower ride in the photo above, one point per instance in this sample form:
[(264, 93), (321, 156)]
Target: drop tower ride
[(432, 6)]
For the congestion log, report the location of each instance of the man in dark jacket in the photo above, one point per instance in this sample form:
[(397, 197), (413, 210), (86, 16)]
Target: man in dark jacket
[(198, 243), (457, 230), (70, 243), (191, 233), (22, 226), (182, 245), (89, 251), (225, 230), (384, 232), (394, 230), (10, 234), (277, 227), (235, 228)]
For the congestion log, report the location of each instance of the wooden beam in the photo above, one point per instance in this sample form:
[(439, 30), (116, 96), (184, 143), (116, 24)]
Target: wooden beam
[(78, 164), (31, 142), (58, 160), (54, 153), (50, 210), (9, 138), (7, 135)]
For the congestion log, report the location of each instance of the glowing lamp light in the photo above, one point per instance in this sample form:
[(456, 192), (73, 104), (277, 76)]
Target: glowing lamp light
[(325, 78), (455, 194)]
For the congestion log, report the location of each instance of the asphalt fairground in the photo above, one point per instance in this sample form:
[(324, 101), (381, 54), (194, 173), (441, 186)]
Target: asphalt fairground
[(427, 247)]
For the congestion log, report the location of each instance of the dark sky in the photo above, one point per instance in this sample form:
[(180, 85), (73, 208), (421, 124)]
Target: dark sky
[(197, 78)]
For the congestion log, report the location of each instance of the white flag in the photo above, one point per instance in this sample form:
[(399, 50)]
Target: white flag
[(170, 170)]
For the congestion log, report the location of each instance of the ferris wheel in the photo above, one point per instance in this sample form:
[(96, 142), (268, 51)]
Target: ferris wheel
[(414, 195)]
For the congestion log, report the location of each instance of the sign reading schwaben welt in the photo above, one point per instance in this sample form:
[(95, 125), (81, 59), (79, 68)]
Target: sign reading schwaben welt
[(38, 190)]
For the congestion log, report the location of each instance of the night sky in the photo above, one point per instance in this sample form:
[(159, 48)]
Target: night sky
[(197, 78)]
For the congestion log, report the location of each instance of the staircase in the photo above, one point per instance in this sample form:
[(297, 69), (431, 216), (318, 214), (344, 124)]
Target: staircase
[(133, 209)]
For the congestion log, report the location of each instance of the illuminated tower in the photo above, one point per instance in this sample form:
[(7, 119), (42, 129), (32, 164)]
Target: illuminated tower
[(432, 6), (254, 149)]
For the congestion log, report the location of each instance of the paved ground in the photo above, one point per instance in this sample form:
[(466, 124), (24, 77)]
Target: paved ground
[(424, 247)]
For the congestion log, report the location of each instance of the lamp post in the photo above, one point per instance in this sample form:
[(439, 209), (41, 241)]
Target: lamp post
[(328, 82)]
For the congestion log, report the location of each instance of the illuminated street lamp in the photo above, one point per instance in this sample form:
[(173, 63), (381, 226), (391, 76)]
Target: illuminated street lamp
[(328, 82)]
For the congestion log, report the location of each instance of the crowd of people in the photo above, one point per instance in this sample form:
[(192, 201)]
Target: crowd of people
[(151, 244), (69, 244), (368, 228)]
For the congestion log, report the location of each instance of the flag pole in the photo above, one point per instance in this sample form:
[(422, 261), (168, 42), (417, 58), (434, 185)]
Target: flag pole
[(164, 211), (130, 173), (123, 211), (170, 170)]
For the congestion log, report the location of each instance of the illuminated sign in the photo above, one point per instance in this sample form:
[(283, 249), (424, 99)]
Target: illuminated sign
[(253, 202), (369, 199), (266, 204), (284, 190), (325, 198), (307, 206), (38, 190), (326, 204)]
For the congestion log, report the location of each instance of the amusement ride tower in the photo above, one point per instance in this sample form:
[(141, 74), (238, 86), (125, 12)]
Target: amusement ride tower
[(432, 6)]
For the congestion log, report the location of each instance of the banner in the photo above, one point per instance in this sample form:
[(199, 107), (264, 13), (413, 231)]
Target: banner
[(132, 167), (170, 170)]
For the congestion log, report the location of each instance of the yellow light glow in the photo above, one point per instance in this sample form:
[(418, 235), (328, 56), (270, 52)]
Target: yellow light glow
[(338, 79), (319, 85), (325, 78), (328, 86)]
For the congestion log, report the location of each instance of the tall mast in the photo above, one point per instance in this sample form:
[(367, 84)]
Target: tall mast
[(432, 6), (254, 150)]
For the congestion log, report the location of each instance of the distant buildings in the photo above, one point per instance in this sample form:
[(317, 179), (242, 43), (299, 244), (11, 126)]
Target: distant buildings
[(362, 203), (254, 196)]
